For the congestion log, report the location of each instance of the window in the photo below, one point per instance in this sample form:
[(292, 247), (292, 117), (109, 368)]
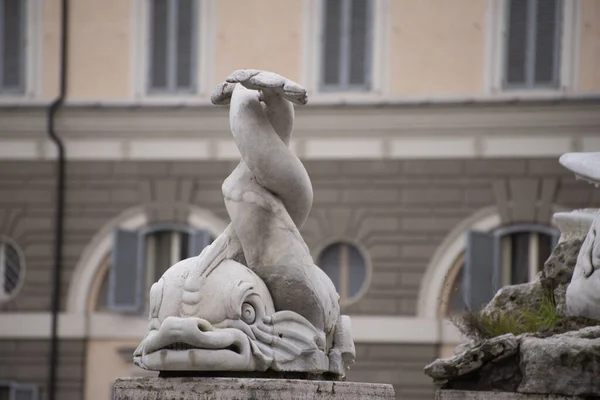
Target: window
[(12, 270), (451, 299), (12, 46), (346, 57), (532, 47), (16, 391), (139, 259), (173, 46), (345, 264), (508, 256)]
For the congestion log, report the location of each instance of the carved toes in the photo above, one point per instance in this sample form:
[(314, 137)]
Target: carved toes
[(221, 95), (263, 80)]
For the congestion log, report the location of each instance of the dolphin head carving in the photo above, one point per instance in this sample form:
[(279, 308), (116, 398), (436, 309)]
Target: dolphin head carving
[(223, 318)]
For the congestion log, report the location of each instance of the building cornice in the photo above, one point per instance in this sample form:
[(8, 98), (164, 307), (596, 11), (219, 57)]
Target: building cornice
[(532, 129)]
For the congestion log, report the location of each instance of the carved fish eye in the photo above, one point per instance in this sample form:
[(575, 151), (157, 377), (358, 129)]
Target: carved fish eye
[(248, 313)]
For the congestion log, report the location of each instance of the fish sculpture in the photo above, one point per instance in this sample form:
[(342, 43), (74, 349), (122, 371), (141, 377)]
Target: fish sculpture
[(253, 300), (583, 293)]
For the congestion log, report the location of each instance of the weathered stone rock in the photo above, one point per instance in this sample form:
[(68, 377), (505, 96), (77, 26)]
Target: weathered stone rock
[(472, 358), (464, 346), (555, 278), (246, 388), (558, 269), (514, 299), (567, 364), (500, 375), (560, 296)]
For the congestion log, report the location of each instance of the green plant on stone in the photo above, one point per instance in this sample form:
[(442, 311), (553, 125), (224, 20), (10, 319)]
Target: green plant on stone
[(483, 326)]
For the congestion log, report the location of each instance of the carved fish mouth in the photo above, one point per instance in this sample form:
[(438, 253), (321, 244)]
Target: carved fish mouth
[(181, 346), (193, 344)]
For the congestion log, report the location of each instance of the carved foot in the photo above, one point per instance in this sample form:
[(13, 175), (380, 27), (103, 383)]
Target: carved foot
[(259, 80)]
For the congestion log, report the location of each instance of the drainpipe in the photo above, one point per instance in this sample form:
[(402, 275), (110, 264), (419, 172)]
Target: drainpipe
[(60, 199)]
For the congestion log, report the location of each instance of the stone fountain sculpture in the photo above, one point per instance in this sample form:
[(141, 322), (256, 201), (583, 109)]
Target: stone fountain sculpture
[(253, 300), (583, 293), (557, 359)]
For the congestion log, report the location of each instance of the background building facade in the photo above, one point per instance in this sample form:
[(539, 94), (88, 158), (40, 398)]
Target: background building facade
[(431, 136)]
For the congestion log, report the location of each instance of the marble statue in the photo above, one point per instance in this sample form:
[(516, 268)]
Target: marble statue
[(253, 300), (583, 293)]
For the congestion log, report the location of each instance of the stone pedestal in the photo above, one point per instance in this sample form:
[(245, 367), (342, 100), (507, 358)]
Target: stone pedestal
[(194, 388)]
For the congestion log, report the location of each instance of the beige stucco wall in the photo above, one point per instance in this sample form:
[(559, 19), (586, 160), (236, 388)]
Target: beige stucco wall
[(99, 59), (589, 60), (437, 47), (50, 48), (104, 364), (261, 34)]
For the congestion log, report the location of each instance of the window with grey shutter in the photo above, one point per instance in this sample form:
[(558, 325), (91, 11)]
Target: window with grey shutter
[(126, 276), (12, 46), (173, 46), (140, 258), (480, 276), (532, 51), (346, 49)]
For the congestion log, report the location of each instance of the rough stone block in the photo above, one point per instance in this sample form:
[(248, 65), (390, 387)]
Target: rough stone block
[(246, 388)]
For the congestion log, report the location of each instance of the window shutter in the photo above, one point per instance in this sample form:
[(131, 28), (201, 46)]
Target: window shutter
[(159, 44), (199, 239), (359, 31), (546, 42), (516, 48), (126, 276), (332, 42), (185, 43), (12, 43), (480, 270)]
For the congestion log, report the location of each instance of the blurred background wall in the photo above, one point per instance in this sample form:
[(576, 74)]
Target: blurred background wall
[(432, 138)]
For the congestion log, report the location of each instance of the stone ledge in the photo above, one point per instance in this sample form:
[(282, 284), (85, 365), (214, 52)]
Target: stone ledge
[(474, 395), (154, 388)]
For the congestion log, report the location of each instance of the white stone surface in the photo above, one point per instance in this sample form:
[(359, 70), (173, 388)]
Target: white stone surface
[(254, 299), (246, 388), (575, 224), (583, 293)]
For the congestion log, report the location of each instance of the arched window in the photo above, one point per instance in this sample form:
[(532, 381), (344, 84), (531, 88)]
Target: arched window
[(347, 267), (12, 269), (139, 258), (506, 256)]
